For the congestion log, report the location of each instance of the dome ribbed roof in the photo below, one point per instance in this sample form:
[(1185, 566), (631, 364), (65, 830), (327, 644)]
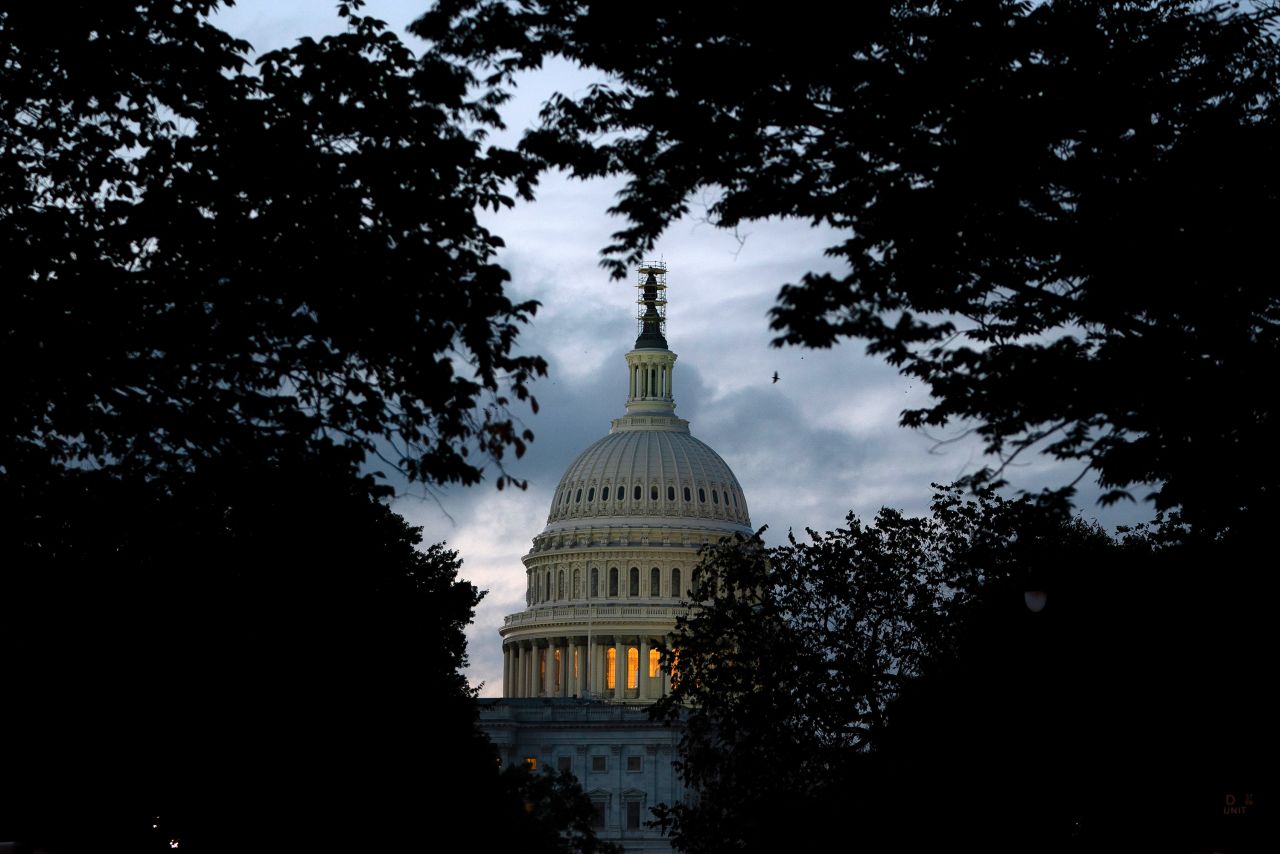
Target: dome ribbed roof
[(649, 470)]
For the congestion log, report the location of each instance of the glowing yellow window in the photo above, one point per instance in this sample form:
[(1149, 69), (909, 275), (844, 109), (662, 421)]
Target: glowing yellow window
[(610, 667), (655, 660), (633, 667), (531, 762)]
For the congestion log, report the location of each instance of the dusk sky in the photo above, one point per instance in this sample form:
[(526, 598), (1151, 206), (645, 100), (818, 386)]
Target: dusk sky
[(820, 442)]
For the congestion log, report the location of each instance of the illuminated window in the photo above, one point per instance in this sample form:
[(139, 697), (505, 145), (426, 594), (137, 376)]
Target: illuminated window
[(599, 764), (633, 815), (610, 670), (565, 764), (591, 494), (634, 763), (613, 581), (604, 494), (675, 582), (655, 663), (636, 493), (595, 582), (556, 673), (633, 588), (576, 655), (687, 495), (671, 493), (653, 493), (531, 762), (633, 667), (655, 582)]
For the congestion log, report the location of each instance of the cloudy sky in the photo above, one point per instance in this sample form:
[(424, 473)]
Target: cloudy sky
[(822, 441)]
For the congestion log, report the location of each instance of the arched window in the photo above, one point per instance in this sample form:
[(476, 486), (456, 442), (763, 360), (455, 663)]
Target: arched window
[(637, 492), (675, 583), (653, 492), (622, 492), (715, 497), (560, 585), (633, 667), (735, 501), (578, 497), (591, 494), (693, 581), (595, 582), (655, 663), (702, 495), (687, 495), (613, 581), (610, 667), (655, 582), (604, 494), (633, 588), (577, 585), (671, 493), (547, 590)]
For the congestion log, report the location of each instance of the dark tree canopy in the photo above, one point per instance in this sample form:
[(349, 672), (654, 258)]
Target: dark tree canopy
[(886, 683), (198, 253), (224, 288), (1058, 215)]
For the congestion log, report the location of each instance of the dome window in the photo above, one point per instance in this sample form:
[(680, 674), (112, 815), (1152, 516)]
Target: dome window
[(595, 582), (687, 495), (702, 495), (578, 497), (638, 494), (735, 501), (613, 581), (653, 492), (591, 494), (675, 583), (604, 494), (671, 493), (715, 497), (655, 582), (633, 588), (622, 492), (546, 591)]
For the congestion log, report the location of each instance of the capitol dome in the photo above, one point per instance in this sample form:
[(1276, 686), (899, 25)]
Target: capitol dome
[(612, 570)]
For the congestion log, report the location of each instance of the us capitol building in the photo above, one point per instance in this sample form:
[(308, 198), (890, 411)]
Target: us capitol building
[(606, 579)]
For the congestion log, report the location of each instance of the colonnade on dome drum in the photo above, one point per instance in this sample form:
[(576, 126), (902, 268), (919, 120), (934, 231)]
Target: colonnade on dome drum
[(603, 667)]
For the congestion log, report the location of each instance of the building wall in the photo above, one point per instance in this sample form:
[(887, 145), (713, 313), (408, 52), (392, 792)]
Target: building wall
[(617, 736)]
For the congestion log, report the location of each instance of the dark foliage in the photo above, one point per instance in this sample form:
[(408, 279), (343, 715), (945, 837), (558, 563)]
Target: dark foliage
[(888, 683), (1057, 215), (223, 289), (197, 254)]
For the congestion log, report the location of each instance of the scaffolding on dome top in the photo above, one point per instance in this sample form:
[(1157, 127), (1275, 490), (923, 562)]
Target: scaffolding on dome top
[(651, 302)]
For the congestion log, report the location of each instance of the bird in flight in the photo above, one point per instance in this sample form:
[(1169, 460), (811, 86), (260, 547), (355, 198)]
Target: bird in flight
[(775, 376)]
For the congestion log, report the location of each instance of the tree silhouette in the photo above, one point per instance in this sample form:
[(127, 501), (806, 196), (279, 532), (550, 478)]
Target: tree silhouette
[(226, 291), (887, 683), (1054, 214)]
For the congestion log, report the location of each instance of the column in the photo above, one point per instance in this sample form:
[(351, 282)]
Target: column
[(566, 666), (643, 680), (619, 669), (506, 670), (549, 672)]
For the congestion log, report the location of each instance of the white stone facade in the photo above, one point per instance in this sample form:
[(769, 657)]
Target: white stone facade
[(606, 580)]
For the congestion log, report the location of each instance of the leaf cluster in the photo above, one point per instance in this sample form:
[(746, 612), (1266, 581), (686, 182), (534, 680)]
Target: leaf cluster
[(198, 253), (1056, 215)]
